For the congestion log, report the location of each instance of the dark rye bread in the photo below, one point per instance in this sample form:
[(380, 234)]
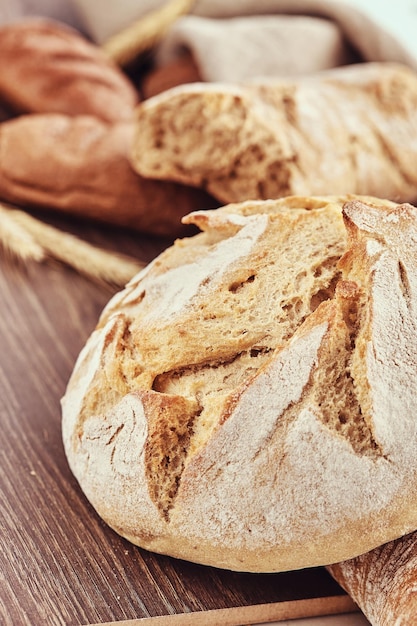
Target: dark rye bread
[(248, 400), (352, 128)]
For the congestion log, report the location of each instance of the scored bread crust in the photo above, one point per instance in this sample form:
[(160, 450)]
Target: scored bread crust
[(383, 582), (248, 401), (47, 66), (352, 128)]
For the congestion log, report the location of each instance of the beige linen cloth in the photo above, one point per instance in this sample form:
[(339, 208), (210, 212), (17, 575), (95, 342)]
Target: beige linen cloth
[(233, 40), (61, 10), (291, 37), (238, 39)]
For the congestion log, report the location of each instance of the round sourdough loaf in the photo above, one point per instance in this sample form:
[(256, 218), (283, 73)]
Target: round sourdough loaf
[(249, 400)]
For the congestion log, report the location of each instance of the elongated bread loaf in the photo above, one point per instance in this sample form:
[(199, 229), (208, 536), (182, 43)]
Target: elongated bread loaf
[(48, 67), (383, 582), (349, 129), (79, 166), (248, 401)]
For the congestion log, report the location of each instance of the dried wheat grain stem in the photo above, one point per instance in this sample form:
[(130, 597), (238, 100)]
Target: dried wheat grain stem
[(15, 239), (143, 34), (30, 238)]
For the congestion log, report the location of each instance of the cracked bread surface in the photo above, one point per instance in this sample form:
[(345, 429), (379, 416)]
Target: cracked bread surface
[(350, 128), (225, 409)]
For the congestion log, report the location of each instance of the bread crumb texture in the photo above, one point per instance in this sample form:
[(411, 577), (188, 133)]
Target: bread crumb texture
[(352, 127), (248, 401)]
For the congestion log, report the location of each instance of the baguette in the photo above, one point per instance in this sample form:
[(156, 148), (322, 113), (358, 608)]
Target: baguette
[(80, 166), (383, 582), (248, 400), (351, 129)]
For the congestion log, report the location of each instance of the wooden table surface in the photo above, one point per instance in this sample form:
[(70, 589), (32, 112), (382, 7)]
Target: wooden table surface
[(59, 563)]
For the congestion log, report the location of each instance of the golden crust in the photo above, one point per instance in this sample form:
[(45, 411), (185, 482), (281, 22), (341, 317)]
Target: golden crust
[(351, 128), (247, 399), (48, 67)]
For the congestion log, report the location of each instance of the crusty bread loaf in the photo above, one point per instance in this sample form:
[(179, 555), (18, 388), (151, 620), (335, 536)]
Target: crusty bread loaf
[(383, 582), (48, 67), (248, 400), (349, 129), (79, 165)]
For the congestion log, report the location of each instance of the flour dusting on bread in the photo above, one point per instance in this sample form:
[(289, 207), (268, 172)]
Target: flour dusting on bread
[(350, 128), (174, 294), (248, 400)]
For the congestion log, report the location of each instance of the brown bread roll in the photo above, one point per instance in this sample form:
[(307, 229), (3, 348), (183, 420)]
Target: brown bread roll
[(178, 72), (79, 166), (383, 582), (351, 129), (48, 67), (248, 400)]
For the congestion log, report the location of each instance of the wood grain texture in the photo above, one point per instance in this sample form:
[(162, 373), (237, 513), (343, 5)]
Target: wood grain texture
[(59, 563), (248, 615)]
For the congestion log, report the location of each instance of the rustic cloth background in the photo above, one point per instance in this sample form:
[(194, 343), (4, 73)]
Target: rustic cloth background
[(237, 40), (62, 10), (296, 37)]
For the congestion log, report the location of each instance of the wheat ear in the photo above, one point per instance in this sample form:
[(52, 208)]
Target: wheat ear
[(144, 34), (27, 238)]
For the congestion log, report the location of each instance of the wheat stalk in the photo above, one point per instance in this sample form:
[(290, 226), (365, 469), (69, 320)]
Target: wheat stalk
[(16, 241), (27, 238), (143, 34)]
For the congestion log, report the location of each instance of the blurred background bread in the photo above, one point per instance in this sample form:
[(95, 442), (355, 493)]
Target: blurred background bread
[(351, 128), (79, 165), (48, 67)]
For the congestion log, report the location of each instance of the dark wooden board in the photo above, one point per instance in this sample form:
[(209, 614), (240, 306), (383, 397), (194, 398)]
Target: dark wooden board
[(59, 563)]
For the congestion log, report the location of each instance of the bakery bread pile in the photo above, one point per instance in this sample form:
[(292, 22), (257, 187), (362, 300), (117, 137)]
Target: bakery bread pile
[(248, 400), (109, 157), (66, 141)]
